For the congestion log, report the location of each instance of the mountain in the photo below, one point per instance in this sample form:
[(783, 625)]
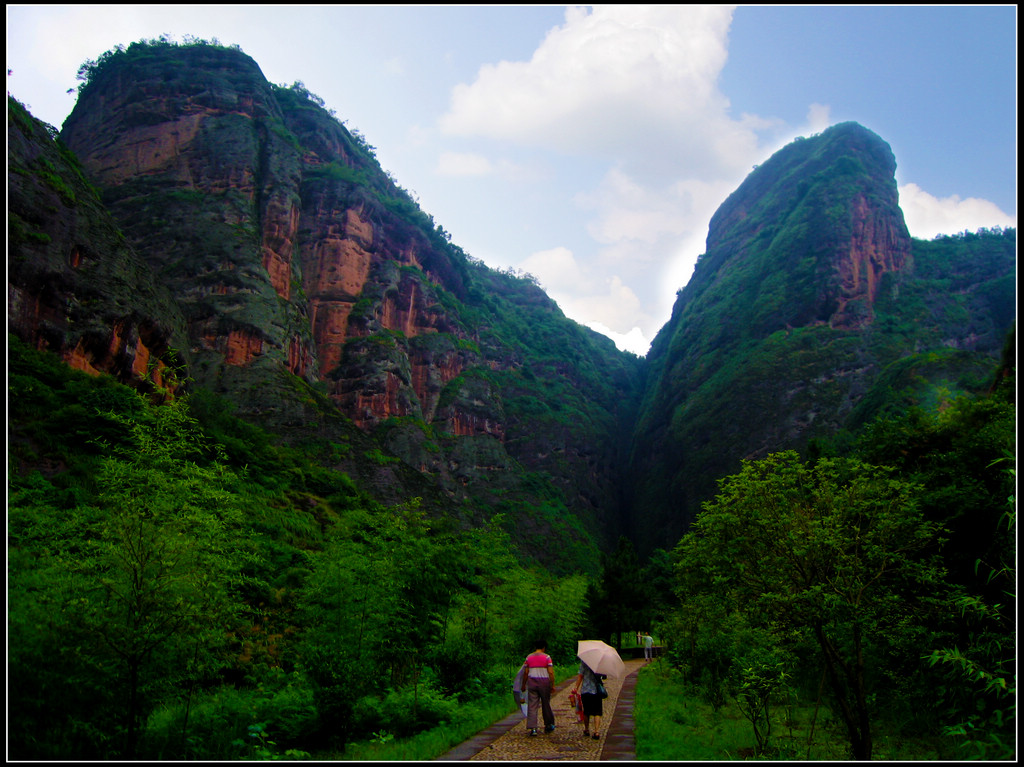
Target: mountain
[(811, 311), (195, 229), (304, 286)]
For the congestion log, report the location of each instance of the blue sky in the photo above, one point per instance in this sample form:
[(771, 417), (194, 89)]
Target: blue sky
[(590, 145)]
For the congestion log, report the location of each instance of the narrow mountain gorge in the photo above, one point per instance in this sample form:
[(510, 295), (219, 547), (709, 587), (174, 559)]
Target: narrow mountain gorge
[(196, 228)]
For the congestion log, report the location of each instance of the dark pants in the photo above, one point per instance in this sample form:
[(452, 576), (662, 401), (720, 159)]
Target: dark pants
[(538, 694)]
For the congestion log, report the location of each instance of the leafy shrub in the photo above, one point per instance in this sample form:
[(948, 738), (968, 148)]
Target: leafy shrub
[(217, 725), (458, 664), (403, 712)]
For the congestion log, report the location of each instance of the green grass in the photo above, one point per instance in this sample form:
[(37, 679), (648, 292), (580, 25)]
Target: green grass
[(431, 744), (674, 724)]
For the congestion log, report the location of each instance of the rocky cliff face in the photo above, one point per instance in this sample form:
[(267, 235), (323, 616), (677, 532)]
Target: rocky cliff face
[(75, 286), (269, 222), (189, 151), (300, 270), (809, 234)]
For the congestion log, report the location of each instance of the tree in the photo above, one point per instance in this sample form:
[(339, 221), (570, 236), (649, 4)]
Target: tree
[(657, 576), (955, 455), (164, 565), (622, 599), (375, 605), (838, 551), (393, 594), (139, 584), (759, 683)]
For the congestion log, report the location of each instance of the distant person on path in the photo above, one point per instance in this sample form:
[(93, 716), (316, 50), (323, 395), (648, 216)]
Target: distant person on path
[(648, 646), (593, 704), (540, 681)]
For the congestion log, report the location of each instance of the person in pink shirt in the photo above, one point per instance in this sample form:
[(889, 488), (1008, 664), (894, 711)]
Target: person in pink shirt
[(540, 681)]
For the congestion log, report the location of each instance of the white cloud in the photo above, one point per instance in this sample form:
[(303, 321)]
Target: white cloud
[(650, 237), (927, 216), (616, 304), (476, 165), (612, 305), (818, 117), (614, 82), (394, 66), (608, 306), (627, 210), (463, 164), (633, 341), (556, 269)]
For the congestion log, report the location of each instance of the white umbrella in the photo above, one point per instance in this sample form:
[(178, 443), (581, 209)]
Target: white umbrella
[(601, 657)]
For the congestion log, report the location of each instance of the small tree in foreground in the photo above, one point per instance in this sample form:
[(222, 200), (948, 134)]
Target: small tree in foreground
[(837, 551)]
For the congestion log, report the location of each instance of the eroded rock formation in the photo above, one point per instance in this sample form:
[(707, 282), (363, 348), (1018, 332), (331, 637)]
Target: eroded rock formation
[(75, 286)]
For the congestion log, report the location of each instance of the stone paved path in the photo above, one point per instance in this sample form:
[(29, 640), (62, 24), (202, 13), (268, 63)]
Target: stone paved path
[(508, 740)]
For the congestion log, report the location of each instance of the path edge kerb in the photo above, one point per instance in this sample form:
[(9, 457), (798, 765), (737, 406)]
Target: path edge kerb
[(619, 740)]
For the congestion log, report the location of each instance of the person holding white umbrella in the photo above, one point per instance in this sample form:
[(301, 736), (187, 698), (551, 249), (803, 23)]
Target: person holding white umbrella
[(588, 685), (598, 660)]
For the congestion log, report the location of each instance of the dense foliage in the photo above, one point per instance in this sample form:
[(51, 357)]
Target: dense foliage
[(181, 586), (882, 589)]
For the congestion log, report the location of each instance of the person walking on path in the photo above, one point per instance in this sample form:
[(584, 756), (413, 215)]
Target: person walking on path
[(593, 704), (540, 681), (504, 741), (648, 646)]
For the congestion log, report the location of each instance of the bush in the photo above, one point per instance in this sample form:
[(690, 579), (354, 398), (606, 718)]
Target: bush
[(458, 664), (403, 712), (218, 724)]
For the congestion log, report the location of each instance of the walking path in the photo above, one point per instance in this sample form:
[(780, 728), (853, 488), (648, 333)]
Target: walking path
[(508, 740)]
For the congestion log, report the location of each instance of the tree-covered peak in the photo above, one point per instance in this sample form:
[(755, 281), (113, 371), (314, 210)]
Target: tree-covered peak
[(847, 151)]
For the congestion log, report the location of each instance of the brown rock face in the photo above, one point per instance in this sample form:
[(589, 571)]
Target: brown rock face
[(74, 286), (280, 226), (182, 161), (336, 265), (878, 245), (271, 225)]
